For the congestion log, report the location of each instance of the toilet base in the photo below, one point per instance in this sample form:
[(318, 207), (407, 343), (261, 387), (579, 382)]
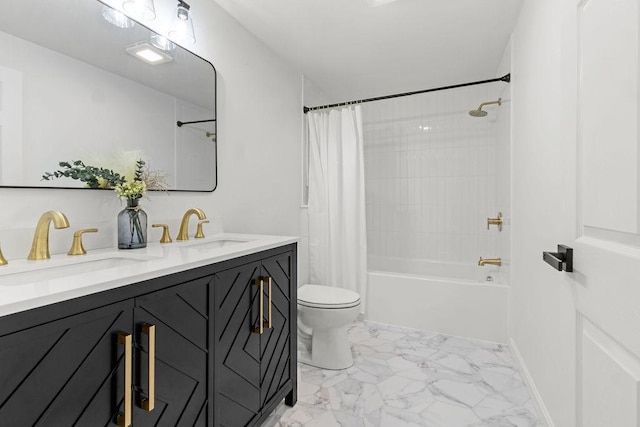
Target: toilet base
[(340, 355)]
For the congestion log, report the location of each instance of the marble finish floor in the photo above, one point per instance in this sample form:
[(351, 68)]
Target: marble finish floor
[(404, 377)]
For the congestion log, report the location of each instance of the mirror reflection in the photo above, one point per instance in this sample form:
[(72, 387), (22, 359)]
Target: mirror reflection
[(77, 85)]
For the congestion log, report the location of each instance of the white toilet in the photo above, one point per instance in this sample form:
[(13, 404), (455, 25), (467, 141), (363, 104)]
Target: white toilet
[(324, 312)]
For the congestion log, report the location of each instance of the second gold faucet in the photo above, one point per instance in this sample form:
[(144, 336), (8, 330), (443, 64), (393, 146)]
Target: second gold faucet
[(3, 260), (183, 233), (77, 248)]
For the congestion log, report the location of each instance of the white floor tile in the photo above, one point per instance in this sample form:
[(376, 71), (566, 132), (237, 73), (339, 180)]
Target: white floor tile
[(405, 377)]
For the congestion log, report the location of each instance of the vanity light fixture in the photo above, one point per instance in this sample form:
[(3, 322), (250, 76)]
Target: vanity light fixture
[(148, 53), (140, 9), (182, 25), (117, 18)]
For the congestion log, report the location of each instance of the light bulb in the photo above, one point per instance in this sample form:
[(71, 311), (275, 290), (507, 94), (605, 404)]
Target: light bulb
[(182, 25), (140, 9), (117, 18), (163, 43)]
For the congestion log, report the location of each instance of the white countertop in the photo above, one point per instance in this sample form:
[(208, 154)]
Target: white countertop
[(25, 285)]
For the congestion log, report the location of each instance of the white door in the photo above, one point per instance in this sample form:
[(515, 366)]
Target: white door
[(600, 51)]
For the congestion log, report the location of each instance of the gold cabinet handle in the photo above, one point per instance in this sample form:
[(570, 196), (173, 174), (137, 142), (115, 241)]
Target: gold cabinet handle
[(76, 246), (268, 323), (124, 418), (166, 237), (259, 329), (148, 403), (495, 221), (199, 232)]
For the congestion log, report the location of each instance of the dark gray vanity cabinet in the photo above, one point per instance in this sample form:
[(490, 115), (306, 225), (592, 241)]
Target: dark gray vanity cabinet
[(255, 339), (180, 315), (65, 364), (65, 372), (73, 371)]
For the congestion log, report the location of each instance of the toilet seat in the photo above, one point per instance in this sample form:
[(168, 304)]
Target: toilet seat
[(327, 297)]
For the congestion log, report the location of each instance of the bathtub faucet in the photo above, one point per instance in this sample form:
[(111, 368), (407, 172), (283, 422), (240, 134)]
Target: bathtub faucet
[(490, 261)]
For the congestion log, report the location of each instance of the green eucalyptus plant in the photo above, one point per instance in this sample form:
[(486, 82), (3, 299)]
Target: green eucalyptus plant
[(98, 177), (94, 177)]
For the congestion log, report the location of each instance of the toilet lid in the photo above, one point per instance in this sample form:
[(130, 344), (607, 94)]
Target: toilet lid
[(327, 297)]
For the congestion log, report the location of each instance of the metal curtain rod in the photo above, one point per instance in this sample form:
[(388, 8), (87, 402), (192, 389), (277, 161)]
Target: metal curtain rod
[(180, 124), (506, 78)]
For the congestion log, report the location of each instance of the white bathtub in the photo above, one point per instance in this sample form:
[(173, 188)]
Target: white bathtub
[(454, 299)]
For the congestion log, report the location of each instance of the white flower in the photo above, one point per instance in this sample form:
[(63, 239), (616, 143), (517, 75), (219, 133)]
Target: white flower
[(131, 189)]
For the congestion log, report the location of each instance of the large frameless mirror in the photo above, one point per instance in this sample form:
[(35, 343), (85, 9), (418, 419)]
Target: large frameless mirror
[(74, 86)]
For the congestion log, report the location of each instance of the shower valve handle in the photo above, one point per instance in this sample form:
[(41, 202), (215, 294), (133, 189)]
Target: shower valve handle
[(495, 221)]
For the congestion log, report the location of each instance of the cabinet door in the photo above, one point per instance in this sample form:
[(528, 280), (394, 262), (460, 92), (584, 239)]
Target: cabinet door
[(68, 372), (276, 341), (180, 315), (237, 347)]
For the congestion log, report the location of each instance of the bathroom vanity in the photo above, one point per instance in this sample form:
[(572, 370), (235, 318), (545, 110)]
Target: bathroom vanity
[(198, 333)]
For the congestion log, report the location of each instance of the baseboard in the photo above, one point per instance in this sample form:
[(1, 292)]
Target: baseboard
[(531, 386)]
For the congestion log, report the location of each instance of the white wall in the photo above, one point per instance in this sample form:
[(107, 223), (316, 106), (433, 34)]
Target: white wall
[(542, 316), (259, 103)]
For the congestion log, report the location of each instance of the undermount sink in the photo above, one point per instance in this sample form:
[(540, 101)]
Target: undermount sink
[(55, 269), (213, 244), (32, 272)]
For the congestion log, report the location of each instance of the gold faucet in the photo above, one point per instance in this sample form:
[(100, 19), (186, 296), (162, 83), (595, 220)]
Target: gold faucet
[(77, 248), (166, 237), (40, 245), (183, 234), (490, 261), (495, 221), (3, 260), (199, 233)]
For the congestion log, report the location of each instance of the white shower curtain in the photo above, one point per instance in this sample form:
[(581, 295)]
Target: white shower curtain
[(337, 227)]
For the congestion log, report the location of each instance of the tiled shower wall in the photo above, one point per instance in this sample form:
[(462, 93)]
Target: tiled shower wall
[(430, 172)]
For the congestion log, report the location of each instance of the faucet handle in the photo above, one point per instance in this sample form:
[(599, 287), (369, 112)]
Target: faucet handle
[(76, 247), (495, 221), (199, 233), (166, 238), (3, 260)]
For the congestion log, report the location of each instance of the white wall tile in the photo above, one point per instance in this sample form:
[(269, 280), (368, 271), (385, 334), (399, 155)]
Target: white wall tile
[(433, 172)]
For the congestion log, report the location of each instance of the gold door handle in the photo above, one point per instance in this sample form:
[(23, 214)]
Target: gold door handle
[(268, 323), (259, 329), (124, 419), (148, 403)]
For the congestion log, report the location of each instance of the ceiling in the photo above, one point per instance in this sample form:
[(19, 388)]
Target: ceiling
[(354, 49)]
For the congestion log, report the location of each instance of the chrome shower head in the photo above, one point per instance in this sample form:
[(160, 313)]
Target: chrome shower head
[(480, 112)]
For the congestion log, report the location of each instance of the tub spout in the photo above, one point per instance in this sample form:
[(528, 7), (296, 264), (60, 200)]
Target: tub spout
[(490, 261)]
